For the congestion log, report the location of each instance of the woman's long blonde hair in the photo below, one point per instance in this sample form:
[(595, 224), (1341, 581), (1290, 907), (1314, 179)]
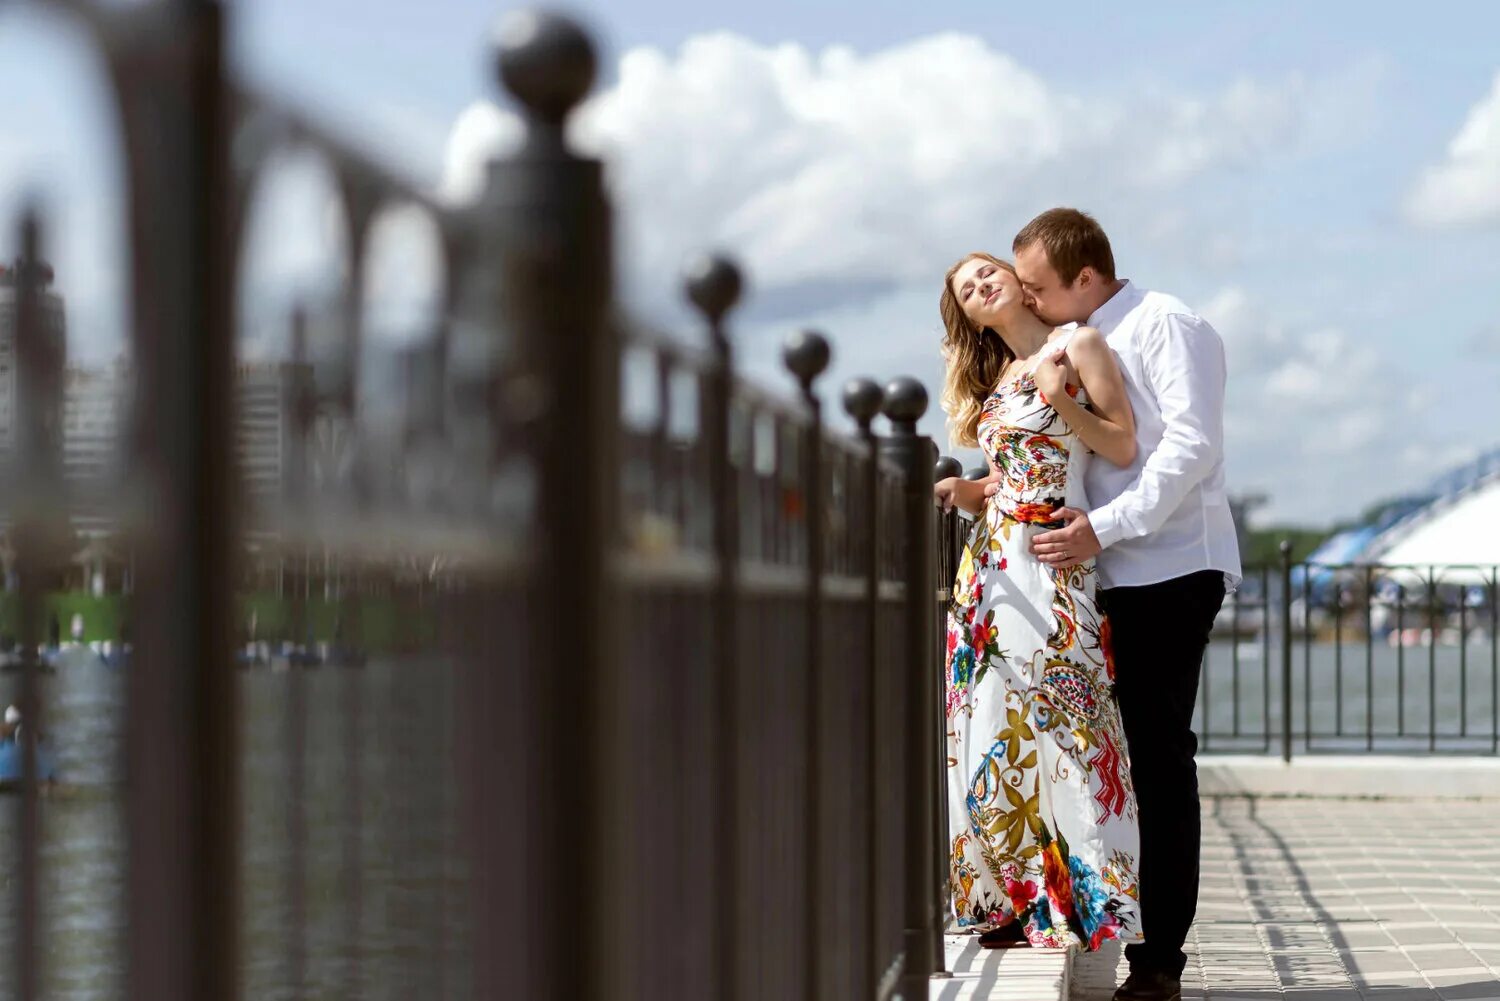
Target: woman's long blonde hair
[(975, 357)]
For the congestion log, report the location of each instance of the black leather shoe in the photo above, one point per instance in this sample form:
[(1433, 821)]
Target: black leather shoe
[(1007, 936), (1150, 987)]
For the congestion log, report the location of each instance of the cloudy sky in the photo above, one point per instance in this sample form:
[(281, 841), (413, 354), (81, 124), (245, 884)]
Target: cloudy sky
[(1322, 181)]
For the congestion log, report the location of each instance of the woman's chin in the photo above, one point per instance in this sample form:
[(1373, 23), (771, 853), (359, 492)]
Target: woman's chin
[(991, 315), (1003, 312)]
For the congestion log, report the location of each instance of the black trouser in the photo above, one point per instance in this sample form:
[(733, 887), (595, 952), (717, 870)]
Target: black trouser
[(1160, 632)]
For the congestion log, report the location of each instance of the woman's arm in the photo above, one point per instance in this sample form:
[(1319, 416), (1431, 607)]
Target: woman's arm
[(1109, 428), (955, 491)]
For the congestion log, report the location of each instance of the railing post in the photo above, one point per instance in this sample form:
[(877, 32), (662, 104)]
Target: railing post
[(546, 241), (862, 401), (940, 584), (1286, 650), (806, 356), (39, 531), (905, 403), (713, 285), (946, 466), (181, 740)]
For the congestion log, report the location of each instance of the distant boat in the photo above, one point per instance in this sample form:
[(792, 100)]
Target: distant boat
[(11, 760)]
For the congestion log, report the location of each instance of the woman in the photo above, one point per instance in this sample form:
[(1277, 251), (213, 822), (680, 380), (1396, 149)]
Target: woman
[(1041, 813)]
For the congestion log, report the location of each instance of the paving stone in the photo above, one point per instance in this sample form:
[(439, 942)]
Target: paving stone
[(1379, 962), (1292, 908), (1471, 991), (1437, 959), (1421, 934), (1457, 975), (1351, 937), (999, 974), (1488, 917)]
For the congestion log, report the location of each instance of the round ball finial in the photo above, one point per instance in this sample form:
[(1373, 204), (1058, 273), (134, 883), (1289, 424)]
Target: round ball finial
[(947, 466), (713, 284), (862, 400), (905, 401), (1285, 546), (546, 60), (806, 355)]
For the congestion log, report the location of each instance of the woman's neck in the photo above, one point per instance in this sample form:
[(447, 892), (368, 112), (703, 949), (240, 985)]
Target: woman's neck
[(1024, 333)]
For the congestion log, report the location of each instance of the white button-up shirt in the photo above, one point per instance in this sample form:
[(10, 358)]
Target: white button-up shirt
[(1166, 514)]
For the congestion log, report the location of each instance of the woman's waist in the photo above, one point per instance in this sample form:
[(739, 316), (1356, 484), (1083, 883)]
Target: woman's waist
[(1030, 510)]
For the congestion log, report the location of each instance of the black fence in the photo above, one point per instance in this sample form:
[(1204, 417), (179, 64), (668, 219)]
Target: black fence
[(606, 675), (1352, 659), (1312, 658)]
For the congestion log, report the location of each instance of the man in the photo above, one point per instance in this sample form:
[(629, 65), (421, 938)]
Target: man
[(1166, 548)]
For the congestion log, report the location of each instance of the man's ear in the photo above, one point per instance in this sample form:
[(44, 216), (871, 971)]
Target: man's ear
[(1086, 277)]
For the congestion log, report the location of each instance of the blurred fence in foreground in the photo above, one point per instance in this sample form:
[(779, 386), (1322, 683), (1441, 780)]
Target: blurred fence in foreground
[(598, 673)]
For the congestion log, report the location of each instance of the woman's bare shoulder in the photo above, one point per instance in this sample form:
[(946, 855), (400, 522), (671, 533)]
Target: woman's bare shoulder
[(1086, 341)]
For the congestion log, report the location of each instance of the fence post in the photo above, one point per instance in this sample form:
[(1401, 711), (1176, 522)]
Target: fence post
[(805, 355), (1286, 650), (940, 582), (905, 403), (713, 284), (545, 238), (40, 533), (182, 811), (862, 401)]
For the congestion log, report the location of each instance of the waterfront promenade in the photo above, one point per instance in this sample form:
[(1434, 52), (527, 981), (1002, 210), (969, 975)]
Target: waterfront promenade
[(1314, 898)]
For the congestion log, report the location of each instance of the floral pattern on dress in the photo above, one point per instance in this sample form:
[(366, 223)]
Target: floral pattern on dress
[(1041, 814)]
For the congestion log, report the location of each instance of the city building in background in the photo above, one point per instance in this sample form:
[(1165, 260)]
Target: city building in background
[(54, 323), (96, 404)]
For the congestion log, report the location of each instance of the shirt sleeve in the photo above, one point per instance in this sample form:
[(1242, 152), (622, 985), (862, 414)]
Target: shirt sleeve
[(1183, 359)]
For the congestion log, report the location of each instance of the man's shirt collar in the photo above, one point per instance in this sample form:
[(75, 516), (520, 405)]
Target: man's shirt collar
[(1115, 308)]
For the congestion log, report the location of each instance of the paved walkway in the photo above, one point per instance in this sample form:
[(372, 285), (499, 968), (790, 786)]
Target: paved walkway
[(1338, 900), (1000, 974), (1310, 900)]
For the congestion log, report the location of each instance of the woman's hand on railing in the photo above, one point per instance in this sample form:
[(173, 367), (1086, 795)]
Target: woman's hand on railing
[(955, 491)]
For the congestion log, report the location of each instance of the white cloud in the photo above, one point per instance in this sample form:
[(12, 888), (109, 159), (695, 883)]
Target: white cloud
[(1317, 418), (293, 252), (482, 130), (841, 171), (403, 275), (1464, 187), (847, 182)]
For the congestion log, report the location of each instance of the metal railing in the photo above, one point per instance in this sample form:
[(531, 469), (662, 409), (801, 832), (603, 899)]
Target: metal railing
[(1312, 658), (510, 724)]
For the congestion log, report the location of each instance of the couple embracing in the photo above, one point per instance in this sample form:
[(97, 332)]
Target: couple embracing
[(1101, 552)]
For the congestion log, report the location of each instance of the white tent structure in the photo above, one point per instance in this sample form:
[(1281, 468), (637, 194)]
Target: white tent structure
[(1459, 531)]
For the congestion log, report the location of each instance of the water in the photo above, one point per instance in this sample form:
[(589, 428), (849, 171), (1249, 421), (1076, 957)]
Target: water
[(382, 910), (1380, 697)]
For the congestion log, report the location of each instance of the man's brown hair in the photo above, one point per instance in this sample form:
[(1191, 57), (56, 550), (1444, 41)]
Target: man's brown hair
[(1073, 241)]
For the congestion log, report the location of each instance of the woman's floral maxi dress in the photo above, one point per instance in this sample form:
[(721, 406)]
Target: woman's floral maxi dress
[(1041, 813)]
